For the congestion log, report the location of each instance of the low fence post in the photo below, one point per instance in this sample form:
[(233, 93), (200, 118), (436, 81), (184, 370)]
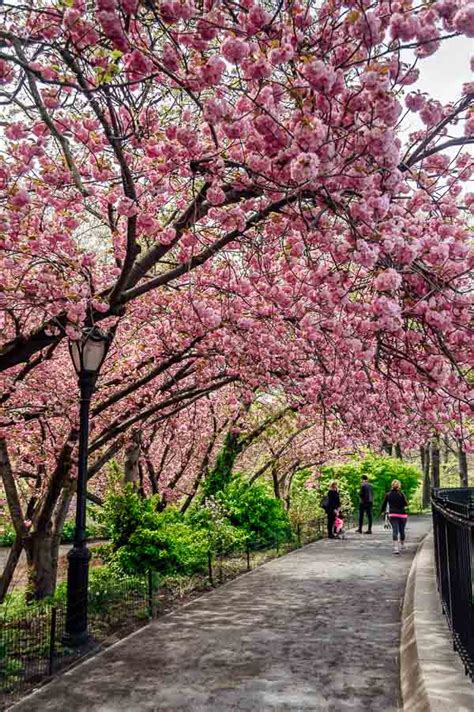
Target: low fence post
[(248, 556), (52, 641), (298, 535)]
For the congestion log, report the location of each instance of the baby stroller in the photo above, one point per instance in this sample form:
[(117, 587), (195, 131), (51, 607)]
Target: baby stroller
[(338, 529)]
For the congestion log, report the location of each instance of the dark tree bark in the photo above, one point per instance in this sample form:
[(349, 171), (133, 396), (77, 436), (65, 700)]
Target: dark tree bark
[(435, 462), (425, 462), (132, 459), (398, 451), (41, 569), (276, 483), (387, 448), (60, 515), (446, 449), (10, 567), (463, 469)]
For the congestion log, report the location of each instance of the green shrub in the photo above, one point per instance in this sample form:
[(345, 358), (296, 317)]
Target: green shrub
[(108, 585), (11, 668), (212, 517), (142, 538), (380, 471), (305, 502), (255, 510), (125, 512), (7, 535)]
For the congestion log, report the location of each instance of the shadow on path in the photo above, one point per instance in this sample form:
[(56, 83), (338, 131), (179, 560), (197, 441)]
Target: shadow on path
[(318, 629)]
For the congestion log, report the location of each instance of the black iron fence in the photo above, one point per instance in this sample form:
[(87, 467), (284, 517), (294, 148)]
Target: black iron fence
[(453, 521), (31, 642)]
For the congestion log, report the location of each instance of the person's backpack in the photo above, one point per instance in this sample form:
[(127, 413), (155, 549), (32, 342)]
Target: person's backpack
[(325, 503)]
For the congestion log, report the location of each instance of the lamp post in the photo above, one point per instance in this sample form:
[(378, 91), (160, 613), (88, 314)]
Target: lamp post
[(88, 354)]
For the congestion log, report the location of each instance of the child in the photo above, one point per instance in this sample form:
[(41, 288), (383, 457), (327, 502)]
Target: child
[(339, 525)]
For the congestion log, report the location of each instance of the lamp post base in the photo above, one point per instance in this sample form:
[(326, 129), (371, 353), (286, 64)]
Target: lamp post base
[(76, 632)]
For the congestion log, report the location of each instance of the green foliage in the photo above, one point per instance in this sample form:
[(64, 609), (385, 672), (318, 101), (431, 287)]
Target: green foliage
[(305, 502), (143, 538), (221, 474), (254, 509), (125, 512), (212, 517), (7, 535), (380, 471), (108, 585), (67, 535), (10, 668)]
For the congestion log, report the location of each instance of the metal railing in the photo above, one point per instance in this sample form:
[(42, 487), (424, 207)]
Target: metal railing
[(453, 523)]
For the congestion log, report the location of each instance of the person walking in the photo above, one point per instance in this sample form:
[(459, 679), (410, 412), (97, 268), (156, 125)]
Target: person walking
[(332, 506), (366, 501), (397, 505)]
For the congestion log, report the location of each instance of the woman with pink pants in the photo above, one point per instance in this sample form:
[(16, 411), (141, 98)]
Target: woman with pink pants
[(397, 505)]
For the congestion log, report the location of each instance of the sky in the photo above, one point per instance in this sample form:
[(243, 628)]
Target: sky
[(442, 76)]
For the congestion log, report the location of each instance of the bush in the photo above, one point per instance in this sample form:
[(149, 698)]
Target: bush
[(255, 510), (143, 538), (380, 471), (7, 535), (125, 512), (305, 500), (212, 517)]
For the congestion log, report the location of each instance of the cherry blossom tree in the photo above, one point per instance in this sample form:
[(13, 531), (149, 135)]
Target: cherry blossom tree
[(225, 186)]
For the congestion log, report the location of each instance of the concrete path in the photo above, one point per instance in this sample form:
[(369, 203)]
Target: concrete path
[(318, 629)]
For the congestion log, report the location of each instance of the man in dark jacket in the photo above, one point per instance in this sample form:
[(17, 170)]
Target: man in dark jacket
[(333, 504), (366, 502)]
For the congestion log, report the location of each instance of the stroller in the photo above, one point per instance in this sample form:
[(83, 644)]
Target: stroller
[(338, 529)]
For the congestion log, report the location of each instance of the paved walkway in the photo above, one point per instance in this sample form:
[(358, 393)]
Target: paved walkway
[(318, 629)]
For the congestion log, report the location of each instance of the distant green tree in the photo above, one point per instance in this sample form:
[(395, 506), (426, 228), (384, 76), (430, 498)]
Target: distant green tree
[(381, 471)]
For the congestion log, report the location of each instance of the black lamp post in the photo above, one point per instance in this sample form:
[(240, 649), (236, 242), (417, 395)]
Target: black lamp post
[(88, 354)]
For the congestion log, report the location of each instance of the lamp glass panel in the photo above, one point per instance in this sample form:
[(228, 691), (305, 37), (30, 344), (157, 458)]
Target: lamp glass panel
[(92, 354), (76, 355)]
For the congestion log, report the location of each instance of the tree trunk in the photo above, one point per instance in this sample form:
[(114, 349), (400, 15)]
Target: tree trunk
[(151, 474), (462, 459), (141, 479), (425, 459), (446, 449), (132, 459), (276, 483), (387, 448), (10, 567), (41, 570), (435, 466), (398, 451), (60, 517)]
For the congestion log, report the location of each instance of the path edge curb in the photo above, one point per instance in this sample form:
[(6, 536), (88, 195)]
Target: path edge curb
[(413, 690)]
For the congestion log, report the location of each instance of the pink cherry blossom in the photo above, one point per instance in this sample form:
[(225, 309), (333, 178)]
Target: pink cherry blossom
[(388, 281), (463, 20), (235, 50), (127, 207), (304, 167), (20, 198)]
